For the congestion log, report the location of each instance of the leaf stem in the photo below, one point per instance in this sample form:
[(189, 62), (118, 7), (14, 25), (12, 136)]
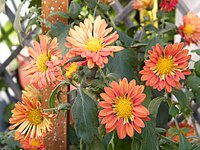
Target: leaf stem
[(103, 76), (95, 9)]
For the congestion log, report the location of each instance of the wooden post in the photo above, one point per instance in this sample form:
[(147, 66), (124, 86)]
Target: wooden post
[(58, 138)]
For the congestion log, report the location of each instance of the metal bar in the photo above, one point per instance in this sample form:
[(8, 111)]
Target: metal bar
[(117, 7), (182, 7), (12, 85), (10, 14), (9, 59)]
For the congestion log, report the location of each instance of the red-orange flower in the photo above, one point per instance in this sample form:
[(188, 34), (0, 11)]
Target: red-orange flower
[(30, 120), (189, 131), (91, 41), (142, 4), (168, 5), (122, 108), (164, 69), (44, 69), (32, 144), (190, 30)]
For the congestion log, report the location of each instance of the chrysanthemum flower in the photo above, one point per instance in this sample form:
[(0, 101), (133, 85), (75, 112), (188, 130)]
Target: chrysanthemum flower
[(31, 92), (142, 4), (32, 144), (44, 69), (164, 69), (168, 5), (29, 119), (190, 30), (122, 108), (71, 67), (91, 41)]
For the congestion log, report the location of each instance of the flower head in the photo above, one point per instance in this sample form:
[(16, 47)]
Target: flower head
[(168, 5), (29, 119), (44, 69), (71, 67), (142, 4), (32, 144), (91, 41), (31, 92), (190, 30), (122, 108), (164, 69)]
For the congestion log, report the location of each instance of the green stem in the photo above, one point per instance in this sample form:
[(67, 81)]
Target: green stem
[(176, 123), (95, 9), (104, 77), (167, 139)]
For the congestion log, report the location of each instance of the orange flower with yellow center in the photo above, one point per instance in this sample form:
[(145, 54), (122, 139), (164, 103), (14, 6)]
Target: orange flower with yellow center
[(32, 144), (91, 41), (190, 30), (168, 5), (122, 108), (44, 69), (142, 4), (164, 69), (29, 119)]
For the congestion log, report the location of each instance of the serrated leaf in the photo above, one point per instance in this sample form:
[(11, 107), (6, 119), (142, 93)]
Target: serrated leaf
[(154, 105), (91, 3), (74, 9), (181, 97), (197, 68), (173, 111), (2, 6), (121, 64), (197, 51), (184, 144), (149, 136), (84, 113), (193, 81)]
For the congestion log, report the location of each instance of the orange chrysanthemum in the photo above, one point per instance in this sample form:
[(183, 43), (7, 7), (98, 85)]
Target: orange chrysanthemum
[(44, 69), (29, 119), (31, 92), (32, 144), (190, 30), (71, 67), (122, 108), (189, 131), (91, 41), (168, 5), (164, 69), (142, 4)]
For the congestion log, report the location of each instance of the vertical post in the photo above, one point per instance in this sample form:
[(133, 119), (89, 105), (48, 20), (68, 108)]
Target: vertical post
[(58, 138)]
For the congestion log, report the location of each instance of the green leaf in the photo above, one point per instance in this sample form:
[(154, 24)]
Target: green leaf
[(58, 13), (149, 136), (125, 38), (136, 144), (2, 6), (104, 7), (182, 99), (197, 51), (53, 96), (184, 144), (197, 68), (84, 113), (74, 9), (91, 3), (121, 64), (173, 111), (154, 105), (73, 140), (60, 30), (193, 81)]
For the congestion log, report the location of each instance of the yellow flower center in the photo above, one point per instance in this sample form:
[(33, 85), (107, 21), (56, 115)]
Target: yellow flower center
[(71, 69), (35, 142), (165, 66), (41, 62), (188, 29), (94, 45), (34, 116), (124, 108)]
